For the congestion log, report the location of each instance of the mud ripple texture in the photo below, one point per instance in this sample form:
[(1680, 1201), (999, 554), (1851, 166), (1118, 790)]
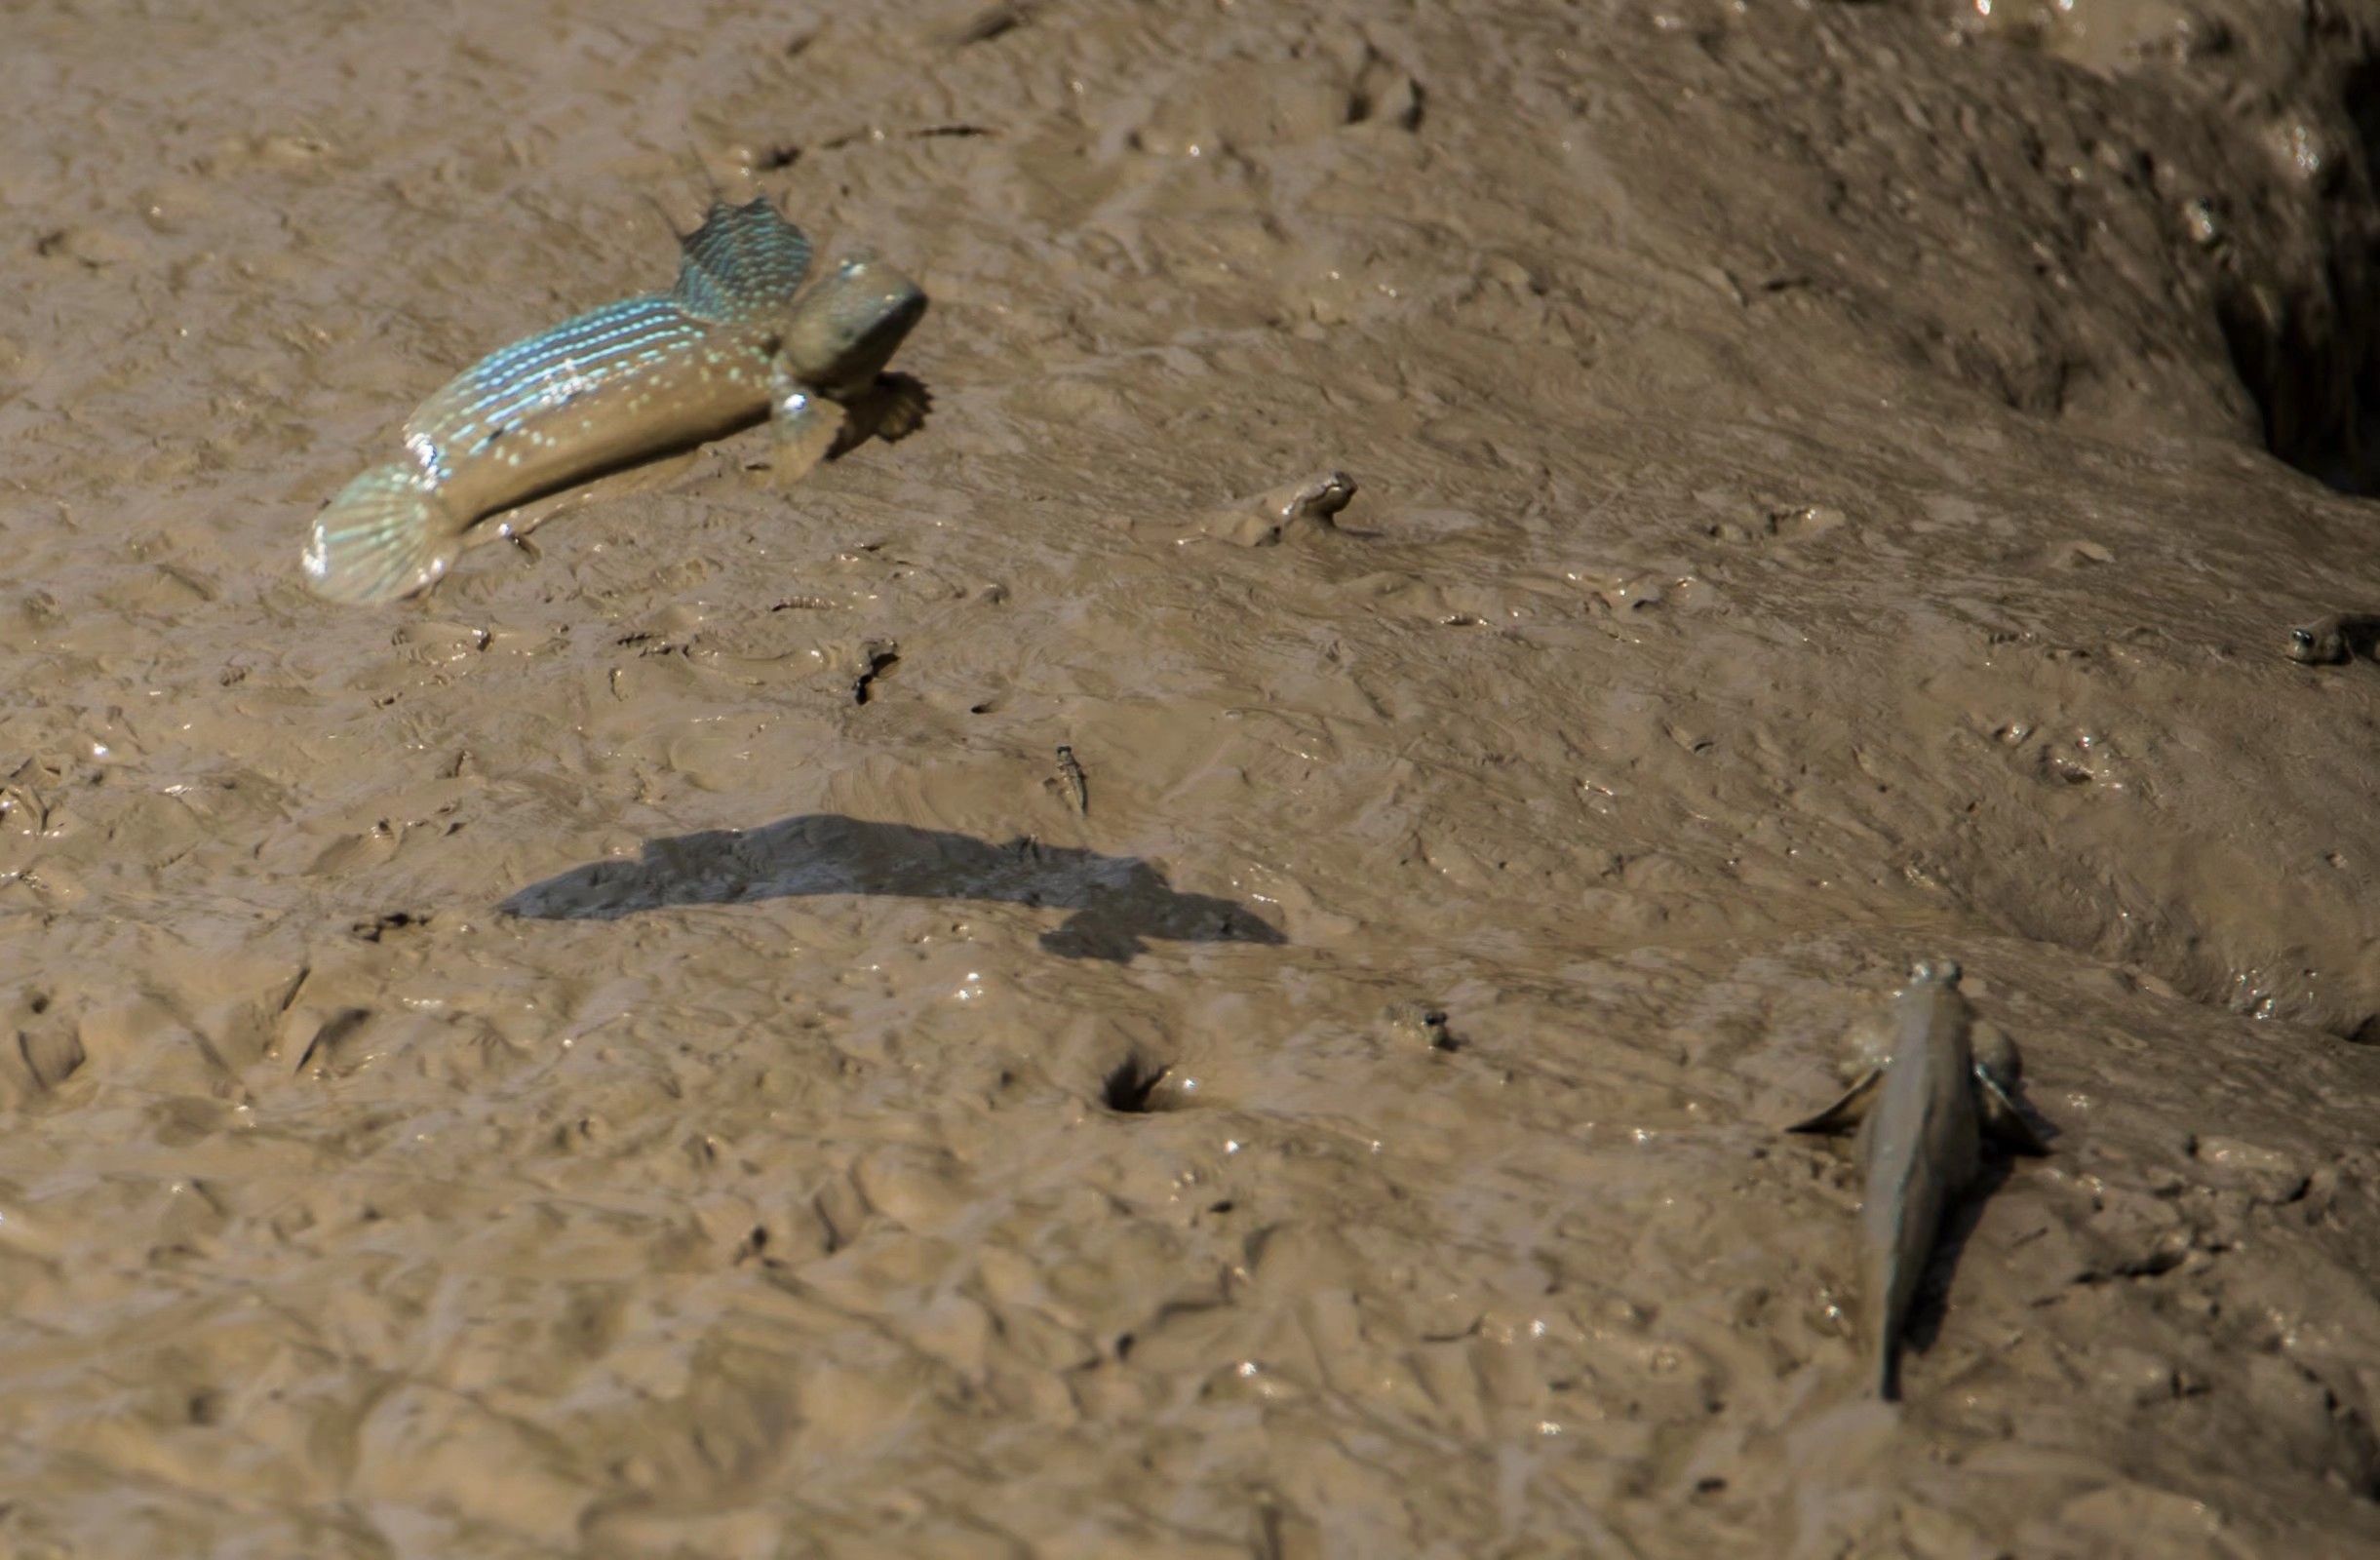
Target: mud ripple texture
[(549, 1071)]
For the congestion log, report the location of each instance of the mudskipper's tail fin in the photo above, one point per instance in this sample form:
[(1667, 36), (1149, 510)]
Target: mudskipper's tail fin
[(743, 258), (387, 534)]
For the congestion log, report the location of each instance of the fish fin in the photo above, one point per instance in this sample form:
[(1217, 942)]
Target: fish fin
[(387, 534), (743, 258), (2005, 1120), (1995, 1052), (897, 406), (808, 427), (1845, 1114)]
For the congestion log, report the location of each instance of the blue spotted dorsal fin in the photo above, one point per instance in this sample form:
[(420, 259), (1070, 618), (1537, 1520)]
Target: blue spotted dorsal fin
[(742, 258)]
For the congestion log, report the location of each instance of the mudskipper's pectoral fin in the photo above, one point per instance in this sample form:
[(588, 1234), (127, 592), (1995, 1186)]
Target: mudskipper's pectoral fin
[(897, 405), (2005, 1119), (743, 258), (892, 409), (807, 426), (1847, 1112)]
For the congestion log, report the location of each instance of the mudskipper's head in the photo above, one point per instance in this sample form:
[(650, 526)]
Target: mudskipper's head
[(847, 326), (2319, 644)]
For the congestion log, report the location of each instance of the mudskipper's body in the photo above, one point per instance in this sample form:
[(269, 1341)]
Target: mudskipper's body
[(739, 338), (1926, 1102)]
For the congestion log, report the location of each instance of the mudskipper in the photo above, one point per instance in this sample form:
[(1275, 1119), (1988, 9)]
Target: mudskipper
[(1926, 1101), (738, 338)]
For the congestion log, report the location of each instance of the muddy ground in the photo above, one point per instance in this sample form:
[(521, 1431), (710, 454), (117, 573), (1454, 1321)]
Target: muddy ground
[(551, 1069)]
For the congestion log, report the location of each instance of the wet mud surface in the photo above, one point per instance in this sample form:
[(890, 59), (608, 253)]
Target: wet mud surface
[(1066, 986)]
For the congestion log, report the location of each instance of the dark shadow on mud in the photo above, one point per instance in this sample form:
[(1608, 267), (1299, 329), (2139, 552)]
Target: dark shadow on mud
[(2002, 1152), (1958, 1223), (1120, 902), (2307, 346)]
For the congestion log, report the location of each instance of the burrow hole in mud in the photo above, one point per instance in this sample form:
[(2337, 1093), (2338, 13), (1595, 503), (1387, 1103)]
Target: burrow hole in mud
[(2310, 353), (754, 1247), (881, 659), (1136, 1086)]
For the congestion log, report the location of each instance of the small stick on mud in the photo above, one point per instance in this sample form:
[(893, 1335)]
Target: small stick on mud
[(1078, 784)]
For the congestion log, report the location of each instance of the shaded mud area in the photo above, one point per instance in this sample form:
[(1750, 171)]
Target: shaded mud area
[(1264, 1026)]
